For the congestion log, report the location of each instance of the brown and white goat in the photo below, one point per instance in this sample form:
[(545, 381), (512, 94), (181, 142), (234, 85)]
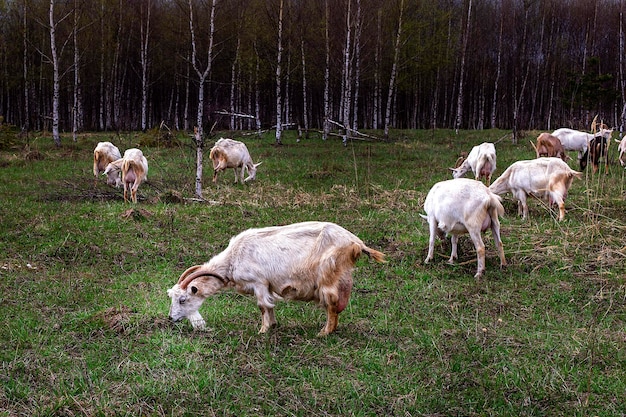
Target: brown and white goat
[(544, 178), (481, 160), (103, 155), (133, 169), (310, 261), (550, 146), (229, 153), (598, 150), (460, 206)]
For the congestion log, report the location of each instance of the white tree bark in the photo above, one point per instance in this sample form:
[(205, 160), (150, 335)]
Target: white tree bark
[(77, 109), (202, 76), (55, 77), (233, 82), (305, 101), (326, 129), (459, 103), (25, 70), (347, 76), (357, 67), (279, 107), (145, 64), (394, 70)]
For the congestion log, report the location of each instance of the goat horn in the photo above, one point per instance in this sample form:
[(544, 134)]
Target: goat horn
[(187, 272), (196, 272)]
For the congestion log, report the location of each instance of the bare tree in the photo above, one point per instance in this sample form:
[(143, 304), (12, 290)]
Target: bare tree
[(394, 70), (326, 127), (145, 64), (55, 77), (279, 106), (77, 108), (203, 74), (346, 81), (459, 103)]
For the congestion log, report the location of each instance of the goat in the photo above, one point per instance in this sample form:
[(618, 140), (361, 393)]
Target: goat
[(598, 149), (548, 178), (621, 148), (460, 206), (103, 155), (310, 261), (481, 160), (229, 153), (133, 168), (575, 140), (551, 146)]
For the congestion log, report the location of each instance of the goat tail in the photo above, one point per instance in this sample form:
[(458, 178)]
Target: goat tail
[(374, 254), (495, 207)]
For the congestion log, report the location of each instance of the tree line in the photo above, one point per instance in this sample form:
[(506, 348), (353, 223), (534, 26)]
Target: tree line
[(325, 65)]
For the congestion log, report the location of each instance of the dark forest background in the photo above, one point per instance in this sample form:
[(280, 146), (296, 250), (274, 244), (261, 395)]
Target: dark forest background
[(126, 64)]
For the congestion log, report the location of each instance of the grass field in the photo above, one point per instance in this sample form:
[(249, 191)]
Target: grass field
[(83, 280)]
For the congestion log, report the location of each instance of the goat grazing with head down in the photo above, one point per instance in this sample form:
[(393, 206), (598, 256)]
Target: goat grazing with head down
[(229, 153), (310, 261), (544, 178), (461, 206), (103, 155), (133, 169), (481, 160)]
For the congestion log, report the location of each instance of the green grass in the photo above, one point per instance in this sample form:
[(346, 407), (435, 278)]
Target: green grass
[(83, 280)]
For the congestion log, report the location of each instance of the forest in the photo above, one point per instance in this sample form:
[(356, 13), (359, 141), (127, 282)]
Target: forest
[(118, 65)]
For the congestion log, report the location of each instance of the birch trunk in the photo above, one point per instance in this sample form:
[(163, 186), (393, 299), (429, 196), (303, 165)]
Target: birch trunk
[(459, 103), (494, 101), (145, 39), (77, 109), (305, 103), (202, 76), (25, 70), (394, 69), (55, 77), (233, 82), (347, 77), (377, 104), (257, 93), (279, 127), (326, 129), (357, 67)]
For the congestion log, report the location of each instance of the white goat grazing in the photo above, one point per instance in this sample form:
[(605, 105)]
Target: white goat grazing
[(481, 160), (544, 178), (460, 206), (575, 140), (133, 168), (621, 148), (309, 261), (103, 155), (229, 153)]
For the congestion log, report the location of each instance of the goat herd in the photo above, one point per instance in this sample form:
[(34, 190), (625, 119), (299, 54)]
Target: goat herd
[(313, 261)]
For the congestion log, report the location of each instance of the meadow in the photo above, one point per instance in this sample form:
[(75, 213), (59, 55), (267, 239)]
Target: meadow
[(83, 278)]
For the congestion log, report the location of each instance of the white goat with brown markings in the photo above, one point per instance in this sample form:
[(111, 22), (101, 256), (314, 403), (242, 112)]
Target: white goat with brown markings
[(229, 153), (310, 261), (133, 169), (103, 155), (481, 160)]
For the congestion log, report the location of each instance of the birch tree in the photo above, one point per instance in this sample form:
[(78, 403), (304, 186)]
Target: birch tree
[(279, 106), (77, 108), (143, 52), (326, 127), (459, 103), (55, 77), (346, 82), (203, 74), (394, 70)]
